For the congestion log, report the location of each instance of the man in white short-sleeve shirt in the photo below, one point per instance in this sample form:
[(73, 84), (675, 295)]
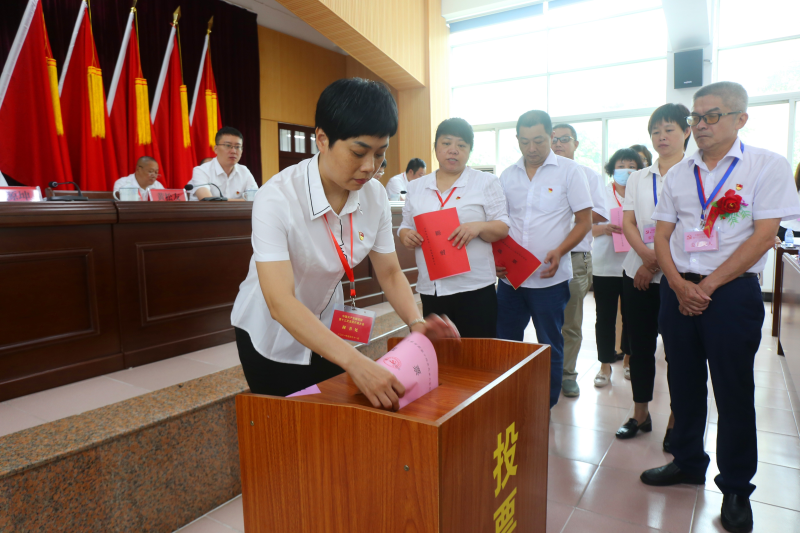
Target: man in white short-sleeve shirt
[(145, 177), (711, 306), (565, 142), (230, 179), (544, 193), (397, 186)]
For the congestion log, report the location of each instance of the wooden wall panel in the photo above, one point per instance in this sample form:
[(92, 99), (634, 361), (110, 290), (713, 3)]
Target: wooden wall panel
[(293, 74), (269, 148), (386, 36)]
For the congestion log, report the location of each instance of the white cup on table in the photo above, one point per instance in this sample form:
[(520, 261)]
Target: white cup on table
[(128, 194)]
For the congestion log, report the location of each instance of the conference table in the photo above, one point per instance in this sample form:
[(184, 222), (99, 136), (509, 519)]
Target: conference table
[(94, 287)]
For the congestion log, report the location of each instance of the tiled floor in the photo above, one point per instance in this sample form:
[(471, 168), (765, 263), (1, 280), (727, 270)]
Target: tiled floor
[(46, 406), (594, 484)]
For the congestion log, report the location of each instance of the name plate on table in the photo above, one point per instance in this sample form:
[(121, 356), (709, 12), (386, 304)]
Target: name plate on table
[(167, 195), (20, 194)]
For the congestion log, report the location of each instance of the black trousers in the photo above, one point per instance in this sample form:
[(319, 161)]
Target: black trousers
[(607, 292), (265, 376), (726, 336), (643, 307), (473, 312)]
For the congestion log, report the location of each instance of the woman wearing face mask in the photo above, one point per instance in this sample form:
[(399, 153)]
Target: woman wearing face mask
[(607, 267), (669, 133), (468, 299)]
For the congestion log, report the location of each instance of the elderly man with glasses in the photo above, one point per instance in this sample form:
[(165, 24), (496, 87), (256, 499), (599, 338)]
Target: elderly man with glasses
[(716, 219), (223, 177)]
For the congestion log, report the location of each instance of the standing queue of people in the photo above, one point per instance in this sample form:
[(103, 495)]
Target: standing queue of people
[(704, 299)]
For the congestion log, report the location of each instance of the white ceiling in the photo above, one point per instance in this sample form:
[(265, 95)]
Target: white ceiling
[(273, 15)]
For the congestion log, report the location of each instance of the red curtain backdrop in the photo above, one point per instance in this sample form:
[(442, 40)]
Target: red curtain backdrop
[(234, 50)]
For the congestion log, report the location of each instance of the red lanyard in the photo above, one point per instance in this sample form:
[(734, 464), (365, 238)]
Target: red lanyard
[(616, 196), (347, 269), (448, 198)]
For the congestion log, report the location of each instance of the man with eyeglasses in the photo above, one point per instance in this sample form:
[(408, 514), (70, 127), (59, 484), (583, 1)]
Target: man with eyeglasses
[(229, 179), (145, 177), (544, 192), (565, 142), (717, 218)]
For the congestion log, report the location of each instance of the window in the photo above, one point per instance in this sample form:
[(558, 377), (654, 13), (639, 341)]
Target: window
[(763, 69), (499, 102), (300, 142), (295, 143), (590, 148), (743, 21), (498, 59), (285, 137), (796, 151), (509, 149), (625, 132), (767, 127), (483, 151)]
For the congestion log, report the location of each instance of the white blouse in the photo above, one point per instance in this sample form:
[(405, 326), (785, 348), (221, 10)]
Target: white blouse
[(288, 225), (478, 197), (130, 182), (605, 261)]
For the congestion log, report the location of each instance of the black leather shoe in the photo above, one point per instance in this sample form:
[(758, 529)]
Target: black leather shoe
[(737, 516), (632, 427), (667, 436), (670, 474)]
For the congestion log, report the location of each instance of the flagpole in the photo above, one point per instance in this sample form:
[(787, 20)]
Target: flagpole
[(16, 47), (81, 12), (163, 76), (200, 70), (112, 91)]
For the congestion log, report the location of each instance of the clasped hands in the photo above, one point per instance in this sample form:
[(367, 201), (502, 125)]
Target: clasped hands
[(693, 298), (644, 275), (460, 237)]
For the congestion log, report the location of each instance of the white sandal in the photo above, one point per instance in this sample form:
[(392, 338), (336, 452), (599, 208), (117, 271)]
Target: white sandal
[(601, 380), (627, 371)]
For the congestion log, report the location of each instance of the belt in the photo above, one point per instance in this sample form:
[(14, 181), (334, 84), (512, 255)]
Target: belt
[(697, 278)]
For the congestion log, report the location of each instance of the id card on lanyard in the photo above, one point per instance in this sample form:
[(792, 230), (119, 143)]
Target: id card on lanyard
[(650, 229), (705, 238), (349, 322)]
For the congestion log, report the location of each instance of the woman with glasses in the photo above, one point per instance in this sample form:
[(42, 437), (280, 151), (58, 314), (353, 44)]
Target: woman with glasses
[(607, 267), (468, 299), (669, 133)]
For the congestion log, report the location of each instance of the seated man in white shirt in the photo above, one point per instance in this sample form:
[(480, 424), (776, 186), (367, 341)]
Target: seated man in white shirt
[(544, 192), (145, 177), (397, 186), (223, 176)]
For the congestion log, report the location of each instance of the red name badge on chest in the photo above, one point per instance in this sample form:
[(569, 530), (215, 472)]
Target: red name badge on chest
[(698, 241), (649, 234), (353, 324)]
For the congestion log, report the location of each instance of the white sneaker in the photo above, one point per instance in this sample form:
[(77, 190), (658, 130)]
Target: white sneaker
[(627, 371), (601, 380)]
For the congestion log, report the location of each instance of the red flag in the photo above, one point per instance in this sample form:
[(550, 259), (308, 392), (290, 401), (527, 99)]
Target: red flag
[(33, 148), (170, 117), (91, 149), (129, 107), (205, 117)]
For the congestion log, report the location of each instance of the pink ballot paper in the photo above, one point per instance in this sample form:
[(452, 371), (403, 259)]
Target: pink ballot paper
[(414, 363), (620, 242), (313, 389)]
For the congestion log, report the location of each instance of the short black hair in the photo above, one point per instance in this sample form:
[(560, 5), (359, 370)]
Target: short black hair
[(415, 164), (457, 127), (623, 154), (534, 118), (568, 127), (352, 107), (227, 130), (675, 113), (642, 149)]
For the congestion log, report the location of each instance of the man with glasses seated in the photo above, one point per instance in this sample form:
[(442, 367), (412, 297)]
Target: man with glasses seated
[(229, 179), (716, 218), (145, 177)]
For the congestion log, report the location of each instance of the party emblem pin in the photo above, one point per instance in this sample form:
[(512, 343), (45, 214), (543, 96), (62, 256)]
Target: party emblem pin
[(549, 190), (739, 187), (361, 235), (458, 198)]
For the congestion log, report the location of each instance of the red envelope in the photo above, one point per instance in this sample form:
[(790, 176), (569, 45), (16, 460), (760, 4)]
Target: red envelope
[(519, 263), (441, 257)]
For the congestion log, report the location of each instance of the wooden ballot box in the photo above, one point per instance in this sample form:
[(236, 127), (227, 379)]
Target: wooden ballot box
[(470, 456)]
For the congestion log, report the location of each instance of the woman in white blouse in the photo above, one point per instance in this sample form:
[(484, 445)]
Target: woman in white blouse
[(468, 299), (607, 267), (669, 133), (312, 223)]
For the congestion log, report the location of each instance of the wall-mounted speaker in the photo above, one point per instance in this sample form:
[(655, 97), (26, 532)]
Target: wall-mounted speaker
[(689, 69)]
